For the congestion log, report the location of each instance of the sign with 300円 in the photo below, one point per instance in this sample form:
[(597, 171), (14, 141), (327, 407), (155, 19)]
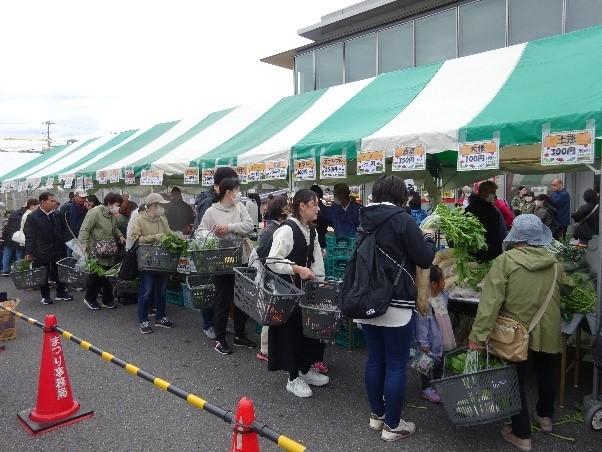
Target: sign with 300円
[(568, 148)]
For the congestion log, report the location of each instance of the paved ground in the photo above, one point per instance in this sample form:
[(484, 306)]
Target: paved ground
[(131, 415)]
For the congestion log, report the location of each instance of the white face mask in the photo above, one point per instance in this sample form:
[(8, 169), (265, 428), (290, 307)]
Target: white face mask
[(528, 199), (160, 211), (491, 198), (237, 196), (114, 208)]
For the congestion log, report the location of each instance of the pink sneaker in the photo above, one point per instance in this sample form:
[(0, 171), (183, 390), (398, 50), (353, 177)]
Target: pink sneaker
[(431, 395), (262, 356), (320, 367)]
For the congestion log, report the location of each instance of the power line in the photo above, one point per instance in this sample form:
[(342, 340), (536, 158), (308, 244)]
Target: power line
[(48, 124)]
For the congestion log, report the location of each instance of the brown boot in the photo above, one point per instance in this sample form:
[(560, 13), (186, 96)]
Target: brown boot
[(545, 424), (523, 445)]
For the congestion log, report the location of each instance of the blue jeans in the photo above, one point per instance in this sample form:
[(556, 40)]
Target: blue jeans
[(385, 379), (153, 292), (11, 254), (207, 318)]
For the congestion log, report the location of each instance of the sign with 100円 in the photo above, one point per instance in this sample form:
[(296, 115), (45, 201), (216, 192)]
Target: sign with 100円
[(479, 155), (409, 158), (568, 148)]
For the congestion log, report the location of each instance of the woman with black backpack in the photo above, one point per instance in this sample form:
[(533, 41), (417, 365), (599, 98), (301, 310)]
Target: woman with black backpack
[(400, 247), (296, 242)]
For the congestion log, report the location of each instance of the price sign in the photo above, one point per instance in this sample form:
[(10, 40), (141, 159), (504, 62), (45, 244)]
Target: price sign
[(102, 177), (479, 155), (305, 169), (22, 186), (568, 148), (79, 182), (49, 182), (183, 266), (67, 180), (191, 176), (255, 172), (276, 169), (207, 177), (409, 158), (130, 176), (114, 176), (333, 167), (370, 162), (151, 177), (241, 172), (88, 183)]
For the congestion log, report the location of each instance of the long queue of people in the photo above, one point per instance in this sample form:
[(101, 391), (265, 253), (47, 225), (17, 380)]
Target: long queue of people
[(291, 248)]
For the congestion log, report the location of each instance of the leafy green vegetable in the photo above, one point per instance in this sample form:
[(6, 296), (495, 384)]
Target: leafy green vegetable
[(94, 267), (566, 252), (22, 266), (580, 301), (174, 244), (457, 363), (461, 229), (207, 244), (477, 274)]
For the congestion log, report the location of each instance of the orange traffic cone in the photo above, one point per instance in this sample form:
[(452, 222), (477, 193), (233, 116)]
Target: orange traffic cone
[(244, 439), (55, 405)]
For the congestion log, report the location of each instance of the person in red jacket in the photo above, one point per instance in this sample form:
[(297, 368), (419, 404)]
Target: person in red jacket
[(505, 210)]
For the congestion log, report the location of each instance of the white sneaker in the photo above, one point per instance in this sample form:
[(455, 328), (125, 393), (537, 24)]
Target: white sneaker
[(314, 378), (299, 388), (376, 423), (403, 430)]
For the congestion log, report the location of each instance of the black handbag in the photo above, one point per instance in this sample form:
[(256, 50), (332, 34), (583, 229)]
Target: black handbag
[(129, 265)]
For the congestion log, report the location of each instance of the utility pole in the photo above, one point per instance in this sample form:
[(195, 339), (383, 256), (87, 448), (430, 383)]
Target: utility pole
[(48, 124)]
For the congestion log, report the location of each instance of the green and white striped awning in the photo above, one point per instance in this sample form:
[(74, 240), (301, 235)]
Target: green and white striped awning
[(512, 91)]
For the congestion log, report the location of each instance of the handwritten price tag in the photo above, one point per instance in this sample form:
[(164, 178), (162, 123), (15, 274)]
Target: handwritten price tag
[(409, 158), (130, 177), (568, 148), (241, 171), (333, 167), (479, 155), (151, 177), (305, 169), (191, 176), (276, 169), (114, 176), (255, 172), (207, 179), (370, 162), (101, 177)]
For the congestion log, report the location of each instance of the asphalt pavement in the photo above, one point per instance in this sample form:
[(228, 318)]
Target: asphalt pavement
[(133, 415)]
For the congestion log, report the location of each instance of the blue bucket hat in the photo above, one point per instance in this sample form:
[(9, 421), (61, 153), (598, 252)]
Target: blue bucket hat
[(528, 228)]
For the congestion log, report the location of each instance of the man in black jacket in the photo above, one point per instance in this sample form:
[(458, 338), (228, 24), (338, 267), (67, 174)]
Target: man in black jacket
[(179, 213), (482, 206), (73, 213), (45, 245), (12, 250)]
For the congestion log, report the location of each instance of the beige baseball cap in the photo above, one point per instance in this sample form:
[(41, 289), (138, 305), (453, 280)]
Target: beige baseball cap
[(155, 198), (81, 193)]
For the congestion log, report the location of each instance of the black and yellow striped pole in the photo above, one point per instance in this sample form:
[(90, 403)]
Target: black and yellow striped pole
[(263, 430)]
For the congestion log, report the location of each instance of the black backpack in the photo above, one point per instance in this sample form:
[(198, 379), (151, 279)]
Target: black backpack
[(367, 291)]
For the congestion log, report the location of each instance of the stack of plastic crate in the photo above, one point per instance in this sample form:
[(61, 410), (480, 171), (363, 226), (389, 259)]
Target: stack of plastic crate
[(338, 252)]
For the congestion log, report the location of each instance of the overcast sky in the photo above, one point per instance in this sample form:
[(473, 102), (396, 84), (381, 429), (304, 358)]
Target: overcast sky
[(106, 66)]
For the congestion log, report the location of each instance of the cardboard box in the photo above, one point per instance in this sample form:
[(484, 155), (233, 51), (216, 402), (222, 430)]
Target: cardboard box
[(8, 327)]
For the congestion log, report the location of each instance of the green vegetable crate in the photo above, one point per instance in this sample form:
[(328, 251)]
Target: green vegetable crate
[(175, 296), (341, 247), (349, 335), (335, 266)]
